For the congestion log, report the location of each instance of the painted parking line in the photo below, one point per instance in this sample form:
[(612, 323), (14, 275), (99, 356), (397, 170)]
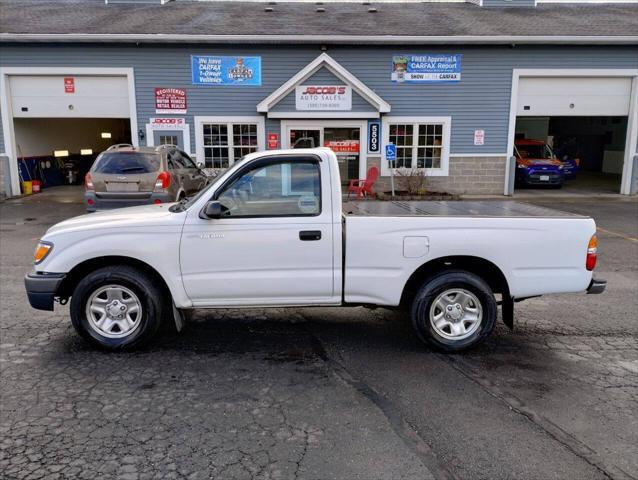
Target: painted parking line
[(616, 234)]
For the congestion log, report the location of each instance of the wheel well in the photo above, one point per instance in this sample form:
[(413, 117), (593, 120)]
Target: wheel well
[(478, 266), (78, 272)]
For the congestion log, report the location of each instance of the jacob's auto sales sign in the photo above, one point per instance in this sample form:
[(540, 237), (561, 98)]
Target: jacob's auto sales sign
[(323, 97), (170, 100), (343, 146)]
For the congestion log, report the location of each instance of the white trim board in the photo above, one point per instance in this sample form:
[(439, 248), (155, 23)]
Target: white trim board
[(632, 120), (323, 61), (327, 39), (198, 122), (323, 114), (7, 110)]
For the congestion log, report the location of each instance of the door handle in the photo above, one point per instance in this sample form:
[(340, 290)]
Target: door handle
[(310, 235)]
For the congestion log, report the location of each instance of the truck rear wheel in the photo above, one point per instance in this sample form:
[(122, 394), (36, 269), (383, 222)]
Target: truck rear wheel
[(454, 311), (117, 308)]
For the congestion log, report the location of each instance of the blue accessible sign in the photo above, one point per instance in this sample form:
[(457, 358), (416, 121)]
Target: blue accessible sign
[(230, 71), (390, 152), (426, 68)]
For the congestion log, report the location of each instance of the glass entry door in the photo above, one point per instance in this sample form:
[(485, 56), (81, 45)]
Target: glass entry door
[(346, 144), (305, 138), (344, 141)]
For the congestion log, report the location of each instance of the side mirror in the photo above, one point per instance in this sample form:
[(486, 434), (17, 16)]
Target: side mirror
[(213, 209), (199, 165)]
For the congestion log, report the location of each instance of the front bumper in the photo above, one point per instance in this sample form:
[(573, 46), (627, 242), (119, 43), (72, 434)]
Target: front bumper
[(42, 288), (596, 286)]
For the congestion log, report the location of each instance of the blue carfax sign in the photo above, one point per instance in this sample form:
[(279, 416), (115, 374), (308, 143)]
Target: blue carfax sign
[(426, 68), (233, 71)]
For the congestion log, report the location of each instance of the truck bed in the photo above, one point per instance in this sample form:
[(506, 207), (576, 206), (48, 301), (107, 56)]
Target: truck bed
[(398, 208)]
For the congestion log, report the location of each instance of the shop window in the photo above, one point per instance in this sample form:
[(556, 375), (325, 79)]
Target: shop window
[(420, 143), (226, 143)]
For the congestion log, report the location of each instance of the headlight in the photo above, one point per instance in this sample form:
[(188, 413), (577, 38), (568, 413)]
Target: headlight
[(41, 251), (561, 167), (520, 165)]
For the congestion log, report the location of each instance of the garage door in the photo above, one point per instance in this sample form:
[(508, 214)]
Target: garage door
[(78, 96), (574, 96)]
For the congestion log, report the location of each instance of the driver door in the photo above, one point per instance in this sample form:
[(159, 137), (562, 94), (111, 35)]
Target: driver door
[(273, 244)]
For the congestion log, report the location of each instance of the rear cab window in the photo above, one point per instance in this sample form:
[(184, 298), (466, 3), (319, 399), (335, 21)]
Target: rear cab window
[(122, 163)]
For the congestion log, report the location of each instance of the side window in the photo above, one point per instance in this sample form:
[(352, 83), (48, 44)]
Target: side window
[(187, 161), (287, 188), (176, 157)]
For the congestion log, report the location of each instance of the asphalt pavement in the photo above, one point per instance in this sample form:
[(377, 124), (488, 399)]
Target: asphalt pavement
[(324, 393)]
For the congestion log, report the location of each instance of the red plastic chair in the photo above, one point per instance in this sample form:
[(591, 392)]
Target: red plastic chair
[(364, 186)]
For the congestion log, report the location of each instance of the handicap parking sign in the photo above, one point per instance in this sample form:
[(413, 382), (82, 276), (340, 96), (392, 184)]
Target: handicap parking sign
[(390, 152)]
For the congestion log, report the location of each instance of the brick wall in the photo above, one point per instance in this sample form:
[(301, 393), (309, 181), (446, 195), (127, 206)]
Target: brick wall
[(468, 175)]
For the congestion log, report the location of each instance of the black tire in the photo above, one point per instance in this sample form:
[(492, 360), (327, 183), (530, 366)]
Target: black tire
[(150, 296), (437, 285)]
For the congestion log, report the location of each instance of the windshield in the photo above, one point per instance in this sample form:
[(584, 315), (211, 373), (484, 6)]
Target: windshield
[(120, 163), (534, 151), (188, 201)]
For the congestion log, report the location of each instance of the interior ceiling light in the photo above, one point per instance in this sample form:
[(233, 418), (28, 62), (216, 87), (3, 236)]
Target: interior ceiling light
[(60, 153), (86, 151), (106, 134)]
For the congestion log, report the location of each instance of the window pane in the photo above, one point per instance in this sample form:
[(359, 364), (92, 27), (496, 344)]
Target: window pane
[(289, 188), (429, 157), (215, 134), (402, 135)]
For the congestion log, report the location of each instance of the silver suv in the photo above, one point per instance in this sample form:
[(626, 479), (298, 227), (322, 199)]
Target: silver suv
[(123, 176)]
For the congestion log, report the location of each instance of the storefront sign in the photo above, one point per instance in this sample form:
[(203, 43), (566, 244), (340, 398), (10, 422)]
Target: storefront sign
[(69, 85), (273, 141), (342, 146), (233, 71), (160, 123), (170, 100), (323, 97), (374, 136), (426, 68), (479, 137)]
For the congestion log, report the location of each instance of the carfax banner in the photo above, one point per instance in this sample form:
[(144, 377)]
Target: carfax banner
[(426, 67), (228, 71)]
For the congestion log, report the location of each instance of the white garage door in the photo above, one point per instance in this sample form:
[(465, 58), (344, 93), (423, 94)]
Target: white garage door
[(574, 96), (78, 97)]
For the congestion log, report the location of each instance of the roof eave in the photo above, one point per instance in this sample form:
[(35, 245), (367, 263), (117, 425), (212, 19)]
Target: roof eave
[(325, 39)]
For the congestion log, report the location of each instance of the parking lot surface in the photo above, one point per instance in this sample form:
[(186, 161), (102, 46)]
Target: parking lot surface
[(325, 393)]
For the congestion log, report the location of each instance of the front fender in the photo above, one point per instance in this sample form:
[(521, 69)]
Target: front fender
[(158, 248)]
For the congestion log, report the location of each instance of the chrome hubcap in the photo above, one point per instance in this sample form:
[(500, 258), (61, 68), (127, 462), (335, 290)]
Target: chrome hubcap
[(456, 314), (114, 311)]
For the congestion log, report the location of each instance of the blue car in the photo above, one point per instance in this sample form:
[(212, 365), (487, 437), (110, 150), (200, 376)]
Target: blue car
[(536, 165)]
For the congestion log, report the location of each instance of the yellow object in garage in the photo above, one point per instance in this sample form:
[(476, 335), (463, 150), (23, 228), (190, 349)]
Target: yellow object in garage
[(27, 187)]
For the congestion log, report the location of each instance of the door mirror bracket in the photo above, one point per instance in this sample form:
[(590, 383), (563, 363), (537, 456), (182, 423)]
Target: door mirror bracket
[(211, 210)]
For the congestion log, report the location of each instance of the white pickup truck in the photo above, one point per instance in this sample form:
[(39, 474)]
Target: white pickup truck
[(271, 231)]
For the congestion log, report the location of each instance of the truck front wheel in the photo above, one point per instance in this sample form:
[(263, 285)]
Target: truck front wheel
[(116, 308), (454, 311)]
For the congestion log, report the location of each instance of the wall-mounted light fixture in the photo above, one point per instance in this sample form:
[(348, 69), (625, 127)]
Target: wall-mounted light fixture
[(60, 153), (86, 151), (106, 134)]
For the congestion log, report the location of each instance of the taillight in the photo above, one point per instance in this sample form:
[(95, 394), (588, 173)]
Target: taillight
[(163, 181), (592, 250), (88, 182)]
